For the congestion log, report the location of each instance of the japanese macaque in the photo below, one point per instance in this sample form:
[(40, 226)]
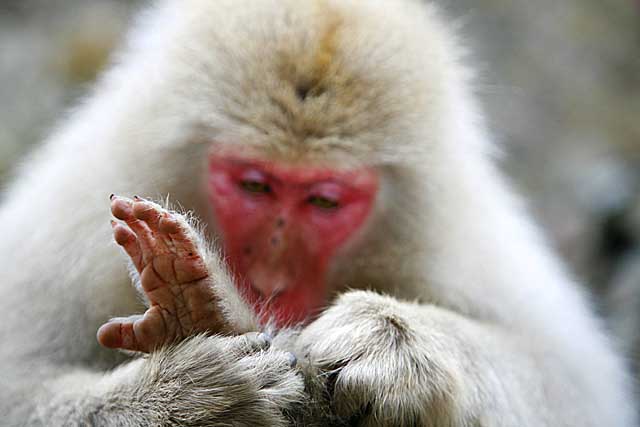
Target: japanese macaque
[(357, 260)]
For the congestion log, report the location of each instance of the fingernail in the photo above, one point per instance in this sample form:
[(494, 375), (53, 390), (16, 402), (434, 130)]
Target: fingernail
[(293, 360), (113, 223), (111, 197), (266, 338), (137, 198)]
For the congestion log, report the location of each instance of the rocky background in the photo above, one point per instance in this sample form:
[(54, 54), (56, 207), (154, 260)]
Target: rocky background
[(560, 79)]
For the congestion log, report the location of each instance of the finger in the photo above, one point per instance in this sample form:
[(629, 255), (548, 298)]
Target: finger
[(118, 334), (148, 212), (253, 342), (122, 209), (129, 242)]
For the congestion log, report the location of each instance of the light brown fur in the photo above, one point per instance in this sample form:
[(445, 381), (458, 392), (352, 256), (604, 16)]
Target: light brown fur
[(449, 308)]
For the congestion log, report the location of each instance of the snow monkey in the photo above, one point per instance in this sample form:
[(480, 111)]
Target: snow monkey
[(358, 258)]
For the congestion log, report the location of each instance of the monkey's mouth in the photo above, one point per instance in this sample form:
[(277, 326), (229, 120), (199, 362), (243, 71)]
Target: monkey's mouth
[(285, 288), (265, 306), (286, 306), (278, 290)]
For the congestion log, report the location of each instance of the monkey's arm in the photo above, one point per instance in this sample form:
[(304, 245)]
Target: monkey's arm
[(204, 381), (384, 362)]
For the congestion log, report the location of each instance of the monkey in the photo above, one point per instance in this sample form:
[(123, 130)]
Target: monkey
[(358, 257)]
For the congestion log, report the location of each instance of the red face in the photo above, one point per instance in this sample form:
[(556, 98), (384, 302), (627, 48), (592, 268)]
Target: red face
[(282, 226)]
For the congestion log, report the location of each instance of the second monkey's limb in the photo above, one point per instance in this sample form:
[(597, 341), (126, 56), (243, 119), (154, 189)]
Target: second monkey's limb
[(173, 274)]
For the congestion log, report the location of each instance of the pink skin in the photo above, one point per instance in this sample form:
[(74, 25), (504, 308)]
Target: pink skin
[(173, 276), (281, 227)]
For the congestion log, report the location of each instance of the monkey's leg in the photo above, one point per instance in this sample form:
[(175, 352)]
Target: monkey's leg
[(173, 275)]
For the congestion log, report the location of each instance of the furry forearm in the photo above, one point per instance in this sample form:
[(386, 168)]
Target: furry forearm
[(203, 381), (78, 397), (391, 363)]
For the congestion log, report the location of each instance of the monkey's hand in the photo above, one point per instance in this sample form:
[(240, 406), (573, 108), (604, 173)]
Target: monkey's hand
[(202, 381), (371, 360), (181, 279)]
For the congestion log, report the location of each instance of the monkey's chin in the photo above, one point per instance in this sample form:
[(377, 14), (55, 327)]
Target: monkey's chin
[(285, 309)]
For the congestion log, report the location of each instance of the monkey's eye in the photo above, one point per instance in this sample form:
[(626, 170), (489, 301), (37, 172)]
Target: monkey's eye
[(323, 202), (255, 187)]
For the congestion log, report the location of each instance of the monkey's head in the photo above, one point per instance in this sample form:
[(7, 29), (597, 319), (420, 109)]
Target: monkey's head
[(313, 120), (283, 224)]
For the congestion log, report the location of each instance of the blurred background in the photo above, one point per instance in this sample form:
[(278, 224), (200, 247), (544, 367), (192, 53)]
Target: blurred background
[(560, 80)]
